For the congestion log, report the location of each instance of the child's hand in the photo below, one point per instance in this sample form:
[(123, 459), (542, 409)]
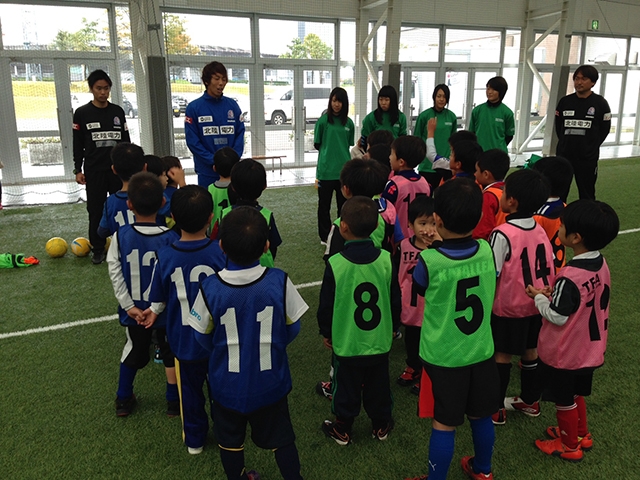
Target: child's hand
[(327, 343), (150, 318), (176, 174), (533, 291), (431, 127), (137, 314)]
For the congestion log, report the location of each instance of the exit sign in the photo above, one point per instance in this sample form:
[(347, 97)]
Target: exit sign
[(594, 25)]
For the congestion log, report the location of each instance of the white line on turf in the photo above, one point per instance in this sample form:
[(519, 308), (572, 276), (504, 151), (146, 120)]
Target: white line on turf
[(89, 321), (107, 318)]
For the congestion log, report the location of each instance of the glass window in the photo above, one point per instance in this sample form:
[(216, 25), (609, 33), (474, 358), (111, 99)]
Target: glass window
[(381, 43), (293, 39), (633, 53), (186, 34), (545, 52), (38, 27), (512, 46), (511, 76), (606, 51), (478, 46), (613, 91), (347, 41), (419, 44)]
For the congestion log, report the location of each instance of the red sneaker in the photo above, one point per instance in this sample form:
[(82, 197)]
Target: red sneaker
[(557, 448), (586, 442), (500, 417), (516, 404), (467, 466), (408, 377)]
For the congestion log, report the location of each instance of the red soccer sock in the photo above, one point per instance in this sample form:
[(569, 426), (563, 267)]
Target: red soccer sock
[(583, 426), (568, 424)]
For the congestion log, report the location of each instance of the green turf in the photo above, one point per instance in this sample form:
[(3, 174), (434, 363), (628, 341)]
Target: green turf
[(58, 387)]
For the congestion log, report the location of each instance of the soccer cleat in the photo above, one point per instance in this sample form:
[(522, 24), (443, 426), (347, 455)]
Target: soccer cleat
[(557, 448), (324, 389), (253, 475), (397, 335), (515, 404), (586, 442), (98, 258), (500, 417), (195, 450), (408, 377), (467, 466), (173, 408), (125, 407), (383, 433), (337, 431), (416, 389)]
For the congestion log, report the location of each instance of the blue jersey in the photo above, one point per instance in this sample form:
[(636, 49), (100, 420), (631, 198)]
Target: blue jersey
[(165, 211), (179, 269), (131, 265), (115, 214), (248, 312), (209, 125)]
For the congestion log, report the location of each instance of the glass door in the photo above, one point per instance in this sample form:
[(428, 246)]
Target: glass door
[(457, 81), (419, 93), (612, 86)]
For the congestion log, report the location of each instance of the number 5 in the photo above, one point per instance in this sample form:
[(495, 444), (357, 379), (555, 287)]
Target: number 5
[(464, 301)]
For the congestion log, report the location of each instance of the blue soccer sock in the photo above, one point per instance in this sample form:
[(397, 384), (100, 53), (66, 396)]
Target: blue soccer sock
[(441, 447), (233, 463), (125, 382), (484, 435), (172, 394), (288, 462)]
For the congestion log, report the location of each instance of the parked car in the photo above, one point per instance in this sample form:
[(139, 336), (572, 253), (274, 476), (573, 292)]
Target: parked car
[(178, 105), (278, 107)]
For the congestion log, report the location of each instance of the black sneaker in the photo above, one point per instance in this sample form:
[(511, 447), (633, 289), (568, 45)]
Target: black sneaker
[(337, 431), (125, 407), (416, 389), (98, 257), (173, 408), (324, 389), (383, 433)]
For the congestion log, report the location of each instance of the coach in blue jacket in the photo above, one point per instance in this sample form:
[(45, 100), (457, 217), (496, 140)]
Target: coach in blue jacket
[(212, 122)]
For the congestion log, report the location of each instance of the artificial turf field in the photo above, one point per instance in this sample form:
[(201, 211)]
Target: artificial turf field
[(58, 385)]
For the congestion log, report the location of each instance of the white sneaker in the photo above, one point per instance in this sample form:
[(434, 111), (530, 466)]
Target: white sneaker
[(195, 451), (515, 404)]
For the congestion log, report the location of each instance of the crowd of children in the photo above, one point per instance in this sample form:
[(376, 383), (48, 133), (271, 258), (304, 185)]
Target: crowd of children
[(474, 270)]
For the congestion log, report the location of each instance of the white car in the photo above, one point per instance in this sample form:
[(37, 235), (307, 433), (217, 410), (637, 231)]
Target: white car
[(278, 106)]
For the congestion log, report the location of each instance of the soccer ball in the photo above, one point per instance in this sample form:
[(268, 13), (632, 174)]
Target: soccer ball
[(81, 247), (56, 247)]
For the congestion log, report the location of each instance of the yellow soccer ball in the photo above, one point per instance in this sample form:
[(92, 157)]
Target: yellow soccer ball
[(56, 247), (81, 247)]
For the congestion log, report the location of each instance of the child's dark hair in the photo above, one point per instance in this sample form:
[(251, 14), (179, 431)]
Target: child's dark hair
[(558, 172), (389, 92), (210, 69), (98, 75), (460, 136), (588, 71), (360, 213), (467, 153), (411, 149), (155, 165), (170, 161), (499, 84), (127, 159), (445, 90), (376, 137), (243, 234), (422, 206), (495, 161), (380, 153), (596, 222), (364, 177), (191, 207), (248, 179), (458, 202), (145, 193), (341, 95), (224, 160), (529, 188)]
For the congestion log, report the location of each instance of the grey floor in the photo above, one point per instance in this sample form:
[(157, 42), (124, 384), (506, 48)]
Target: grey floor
[(70, 192)]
